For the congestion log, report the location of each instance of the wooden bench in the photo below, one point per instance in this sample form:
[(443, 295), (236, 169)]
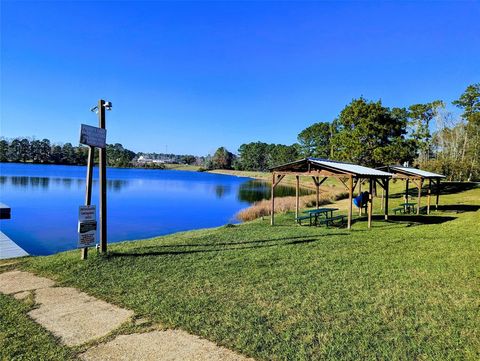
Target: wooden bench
[(330, 220), (423, 210), (300, 219), (399, 209)]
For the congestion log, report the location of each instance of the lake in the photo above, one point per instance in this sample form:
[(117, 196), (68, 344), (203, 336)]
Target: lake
[(141, 203)]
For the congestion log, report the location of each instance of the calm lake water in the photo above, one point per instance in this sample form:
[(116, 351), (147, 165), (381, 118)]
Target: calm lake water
[(141, 203)]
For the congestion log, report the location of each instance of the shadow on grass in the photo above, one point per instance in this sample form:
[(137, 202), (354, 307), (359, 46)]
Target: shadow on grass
[(410, 220), (214, 247), (457, 187), (458, 208), (418, 220), (445, 188)]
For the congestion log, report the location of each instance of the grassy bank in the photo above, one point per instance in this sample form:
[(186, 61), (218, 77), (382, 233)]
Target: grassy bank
[(406, 289), (187, 167)]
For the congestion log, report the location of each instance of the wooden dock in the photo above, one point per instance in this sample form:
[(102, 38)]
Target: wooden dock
[(5, 211), (9, 249)]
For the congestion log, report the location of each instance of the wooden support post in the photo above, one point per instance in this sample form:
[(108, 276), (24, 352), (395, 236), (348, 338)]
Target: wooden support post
[(370, 201), (350, 200), (438, 193), (317, 184), (297, 196), (429, 191), (383, 199), (385, 210), (272, 198), (359, 192), (88, 189), (406, 191), (103, 181), (419, 194)]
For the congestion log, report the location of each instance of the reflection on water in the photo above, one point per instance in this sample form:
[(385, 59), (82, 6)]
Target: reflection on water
[(141, 203), (222, 190), (256, 190), (250, 191), (47, 182)]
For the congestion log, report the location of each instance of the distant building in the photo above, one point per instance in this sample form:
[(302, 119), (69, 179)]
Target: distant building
[(143, 159)]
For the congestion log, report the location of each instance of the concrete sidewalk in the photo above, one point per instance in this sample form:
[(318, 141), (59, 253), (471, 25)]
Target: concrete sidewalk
[(77, 318)]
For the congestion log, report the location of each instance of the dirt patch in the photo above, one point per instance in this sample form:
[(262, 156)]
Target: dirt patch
[(171, 345), (76, 317), (18, 281)]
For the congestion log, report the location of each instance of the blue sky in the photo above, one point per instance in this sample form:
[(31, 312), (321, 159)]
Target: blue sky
[(196, 76)]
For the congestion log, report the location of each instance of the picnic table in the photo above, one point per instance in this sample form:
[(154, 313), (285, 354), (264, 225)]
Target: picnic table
[(408, 207), (325, 215)]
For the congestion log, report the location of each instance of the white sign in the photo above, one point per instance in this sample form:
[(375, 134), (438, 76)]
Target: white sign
[(87, 226), (93, 136)]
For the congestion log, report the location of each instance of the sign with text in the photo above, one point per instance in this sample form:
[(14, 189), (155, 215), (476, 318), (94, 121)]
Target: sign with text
[(87, 226), (93, 136)]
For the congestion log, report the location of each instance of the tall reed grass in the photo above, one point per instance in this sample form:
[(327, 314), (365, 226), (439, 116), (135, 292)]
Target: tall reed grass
[(286, 204)]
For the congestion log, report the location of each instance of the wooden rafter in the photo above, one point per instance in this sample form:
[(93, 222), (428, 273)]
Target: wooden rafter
[(314, 173), (278, 179)]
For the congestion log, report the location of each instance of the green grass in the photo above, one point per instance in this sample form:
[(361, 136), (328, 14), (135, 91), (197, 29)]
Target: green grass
[(186, 167), (23, 339), (406, 289)]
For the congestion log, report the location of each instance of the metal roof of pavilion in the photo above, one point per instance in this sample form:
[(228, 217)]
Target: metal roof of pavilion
[(410, 171), (333, 166)]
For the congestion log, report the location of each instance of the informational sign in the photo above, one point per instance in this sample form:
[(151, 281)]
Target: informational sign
[(87, 226), (93, 136)]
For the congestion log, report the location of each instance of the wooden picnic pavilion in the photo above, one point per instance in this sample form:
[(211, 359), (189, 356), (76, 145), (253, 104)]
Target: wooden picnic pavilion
[(322, 169), (418, 177)]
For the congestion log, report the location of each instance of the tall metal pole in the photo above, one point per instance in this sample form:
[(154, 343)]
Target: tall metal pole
[(103, 181)]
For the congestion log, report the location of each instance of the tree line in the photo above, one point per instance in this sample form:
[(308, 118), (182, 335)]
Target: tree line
[(365, 132), (24, 150), (371, 134)]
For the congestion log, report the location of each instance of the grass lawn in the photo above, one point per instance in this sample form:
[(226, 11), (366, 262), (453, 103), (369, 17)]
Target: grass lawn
[(187, 167), (406, 289)]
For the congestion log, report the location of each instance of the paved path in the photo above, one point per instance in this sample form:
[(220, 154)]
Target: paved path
[(160, 345), (77, 318)]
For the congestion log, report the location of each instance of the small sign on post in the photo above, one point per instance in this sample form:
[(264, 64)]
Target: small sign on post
[(93, 136), (87, 226)]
